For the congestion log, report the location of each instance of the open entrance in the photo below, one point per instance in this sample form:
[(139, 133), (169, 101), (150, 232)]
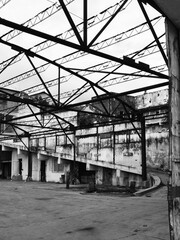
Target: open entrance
[(107, 176), (43, 171), (20, 166), (6, 170), (5, 159), (84, 175)]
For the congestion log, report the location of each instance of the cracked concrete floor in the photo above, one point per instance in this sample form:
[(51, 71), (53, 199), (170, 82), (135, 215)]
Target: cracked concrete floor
[(49, 211)]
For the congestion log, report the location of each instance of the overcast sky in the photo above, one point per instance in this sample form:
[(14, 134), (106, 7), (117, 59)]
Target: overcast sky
[(20, 11)]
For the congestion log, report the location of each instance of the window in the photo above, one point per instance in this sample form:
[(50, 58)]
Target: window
[(105, 140), (3, 126), (57, 167), (64, 140)]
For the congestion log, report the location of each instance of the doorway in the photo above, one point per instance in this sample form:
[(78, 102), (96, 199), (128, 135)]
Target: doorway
[(107, 176), (85, 176), (6, 170), (20, 166), (43, 171)]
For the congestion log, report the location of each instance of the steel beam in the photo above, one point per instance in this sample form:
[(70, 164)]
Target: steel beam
[(59, 85), (85, 15), (71, 21), (143, 149), (43, 83), (105, 43), (32, 54), (108, 22), (153, 32), (77, 47)]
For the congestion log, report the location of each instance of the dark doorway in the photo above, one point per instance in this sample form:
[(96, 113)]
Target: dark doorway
[(6, 170), (85, 176), (5, 159), (43, 171), (20, 166), (107, 176)]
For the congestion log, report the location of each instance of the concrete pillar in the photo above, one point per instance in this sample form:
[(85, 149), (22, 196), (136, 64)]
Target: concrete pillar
[(88, 167), (118, 180), (29, 161), (143, 146), (173, 47)]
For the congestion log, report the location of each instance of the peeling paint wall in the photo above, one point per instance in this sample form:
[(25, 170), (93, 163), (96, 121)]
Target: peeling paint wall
[(115, 147), (157, 146), (157, 130), (111, 145), (152, 99), (15, 163)]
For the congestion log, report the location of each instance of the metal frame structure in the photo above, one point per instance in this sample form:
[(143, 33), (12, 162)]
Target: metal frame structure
[(110, 65)]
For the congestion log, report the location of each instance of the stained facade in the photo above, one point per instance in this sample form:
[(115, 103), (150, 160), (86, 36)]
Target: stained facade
[(110, 152)]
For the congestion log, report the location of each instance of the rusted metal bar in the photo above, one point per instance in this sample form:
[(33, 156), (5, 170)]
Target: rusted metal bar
[(65, 131), (44, 84), (153, 32), (35, 115), (108, 22), (85, 21), (59, 85), (29, 159), (71, 21), (85, 85), (73, 45), (99, 100), (19, 136), (30, 53)]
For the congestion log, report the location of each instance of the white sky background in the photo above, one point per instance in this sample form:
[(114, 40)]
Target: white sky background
[(20, 11)]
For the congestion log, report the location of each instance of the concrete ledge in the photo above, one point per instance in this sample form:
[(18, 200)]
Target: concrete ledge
[(156, 184)]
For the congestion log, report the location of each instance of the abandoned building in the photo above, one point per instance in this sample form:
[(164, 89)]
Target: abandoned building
[(91, 91), (95, 146)]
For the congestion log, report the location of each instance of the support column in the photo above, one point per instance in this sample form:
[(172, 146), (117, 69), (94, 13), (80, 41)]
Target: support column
[(74, 150), (173, 46), (118, 177), (114, 146), (143, 146), (29, 161)]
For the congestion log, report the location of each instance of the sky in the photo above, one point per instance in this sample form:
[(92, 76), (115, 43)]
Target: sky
[(20, 11)]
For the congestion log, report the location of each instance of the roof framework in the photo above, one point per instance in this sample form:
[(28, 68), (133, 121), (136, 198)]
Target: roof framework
[(98, 51)]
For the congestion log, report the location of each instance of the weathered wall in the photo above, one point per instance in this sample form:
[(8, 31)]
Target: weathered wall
[(128, 146), (157, 146), (157, 130), (173, 47), (115, 147), (152, 99), (16, 155), (111, 144), (35, 167)]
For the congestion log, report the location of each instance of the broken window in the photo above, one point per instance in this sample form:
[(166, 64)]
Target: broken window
[(105, 140), (5, 127), (57, 167)]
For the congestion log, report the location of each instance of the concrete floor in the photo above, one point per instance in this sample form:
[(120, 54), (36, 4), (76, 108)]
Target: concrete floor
[(49, 211)]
